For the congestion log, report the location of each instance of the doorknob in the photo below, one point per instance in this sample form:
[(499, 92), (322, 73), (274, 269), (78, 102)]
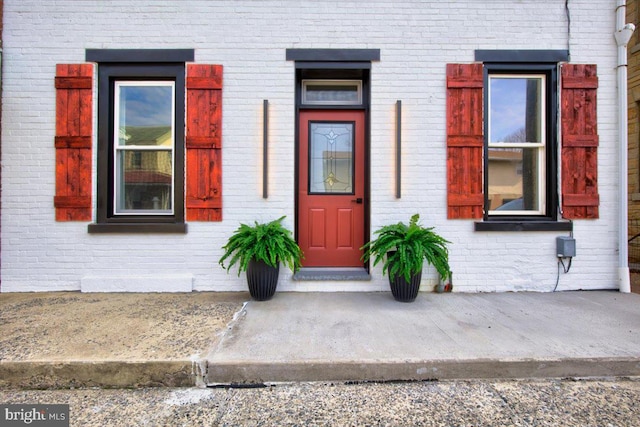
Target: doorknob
[(358, 200)]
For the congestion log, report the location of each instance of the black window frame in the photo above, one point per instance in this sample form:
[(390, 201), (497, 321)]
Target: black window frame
[(551, 136), (143, 65), (538, 62)]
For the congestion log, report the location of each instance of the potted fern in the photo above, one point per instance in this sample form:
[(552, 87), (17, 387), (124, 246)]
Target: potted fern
[(404, 249), (259, 250)]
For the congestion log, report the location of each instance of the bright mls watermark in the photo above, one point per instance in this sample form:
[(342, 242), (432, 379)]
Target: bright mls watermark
[(34, 415)]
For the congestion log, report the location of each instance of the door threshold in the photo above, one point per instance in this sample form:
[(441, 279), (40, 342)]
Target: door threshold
[(332, 273)]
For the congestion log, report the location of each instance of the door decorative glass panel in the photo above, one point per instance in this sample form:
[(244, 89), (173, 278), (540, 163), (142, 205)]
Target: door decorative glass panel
[(331, 161)]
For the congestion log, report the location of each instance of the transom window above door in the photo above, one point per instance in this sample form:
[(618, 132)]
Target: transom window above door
[(331, 92)]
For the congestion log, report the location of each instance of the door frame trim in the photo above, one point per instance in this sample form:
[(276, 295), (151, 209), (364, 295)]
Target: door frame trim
[(336, 74)]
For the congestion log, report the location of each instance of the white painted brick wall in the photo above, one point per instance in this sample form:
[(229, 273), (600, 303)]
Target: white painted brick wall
[(416, 39)]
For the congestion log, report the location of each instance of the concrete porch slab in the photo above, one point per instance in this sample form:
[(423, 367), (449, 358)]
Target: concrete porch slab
[(371, 337)]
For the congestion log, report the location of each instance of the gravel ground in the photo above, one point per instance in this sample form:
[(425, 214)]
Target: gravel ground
[(460, 403), (63, 326)]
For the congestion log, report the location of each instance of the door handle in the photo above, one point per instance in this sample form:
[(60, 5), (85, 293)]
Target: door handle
[(358, 200)]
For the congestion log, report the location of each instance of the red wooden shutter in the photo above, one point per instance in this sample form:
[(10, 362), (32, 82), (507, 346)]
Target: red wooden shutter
[(204, 142), (74, 126), (579, 142), (464, 140)]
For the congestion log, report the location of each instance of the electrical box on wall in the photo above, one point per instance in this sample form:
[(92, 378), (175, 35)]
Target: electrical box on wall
[(565, 247)]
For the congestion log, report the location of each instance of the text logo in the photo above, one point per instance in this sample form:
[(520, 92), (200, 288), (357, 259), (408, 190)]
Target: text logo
[(34, 415)]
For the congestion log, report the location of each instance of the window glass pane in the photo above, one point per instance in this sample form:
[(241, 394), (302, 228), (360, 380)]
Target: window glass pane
[(514, 180), (340, 92), (144, 181), (516, 109), (145, 113), (332, 93), (331, 157), (144, 134)]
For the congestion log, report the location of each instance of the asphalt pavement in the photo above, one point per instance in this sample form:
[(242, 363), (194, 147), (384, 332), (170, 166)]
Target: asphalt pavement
[(562, 403)]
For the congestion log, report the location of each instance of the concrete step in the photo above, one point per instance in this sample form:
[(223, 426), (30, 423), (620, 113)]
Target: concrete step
[(111, 340), (48, 374)]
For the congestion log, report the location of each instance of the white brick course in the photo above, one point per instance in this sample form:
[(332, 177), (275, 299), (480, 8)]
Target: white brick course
[(249, 38)]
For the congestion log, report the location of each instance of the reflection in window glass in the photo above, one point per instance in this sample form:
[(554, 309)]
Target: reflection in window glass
[(144, 147), (144, 181), (516, 109), (513, 177)]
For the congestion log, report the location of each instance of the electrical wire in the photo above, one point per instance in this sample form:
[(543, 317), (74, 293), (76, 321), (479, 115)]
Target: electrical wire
[(564, 268)]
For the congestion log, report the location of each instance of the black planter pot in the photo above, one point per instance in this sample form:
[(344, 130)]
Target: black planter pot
[(404, 291), (262, 280)]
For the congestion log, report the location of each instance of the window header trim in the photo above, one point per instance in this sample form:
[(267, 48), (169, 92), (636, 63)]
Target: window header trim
[(333, 55), (315, 65), (139, 55), (536, 56)]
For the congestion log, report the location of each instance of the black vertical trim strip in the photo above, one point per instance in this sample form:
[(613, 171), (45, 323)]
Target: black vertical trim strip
[(265, 149), (398, 149)]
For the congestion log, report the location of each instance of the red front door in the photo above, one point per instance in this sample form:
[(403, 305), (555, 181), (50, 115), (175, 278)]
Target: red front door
[(331, 188)]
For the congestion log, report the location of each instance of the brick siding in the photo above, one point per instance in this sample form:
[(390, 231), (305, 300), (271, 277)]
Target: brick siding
[(249, 38)]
